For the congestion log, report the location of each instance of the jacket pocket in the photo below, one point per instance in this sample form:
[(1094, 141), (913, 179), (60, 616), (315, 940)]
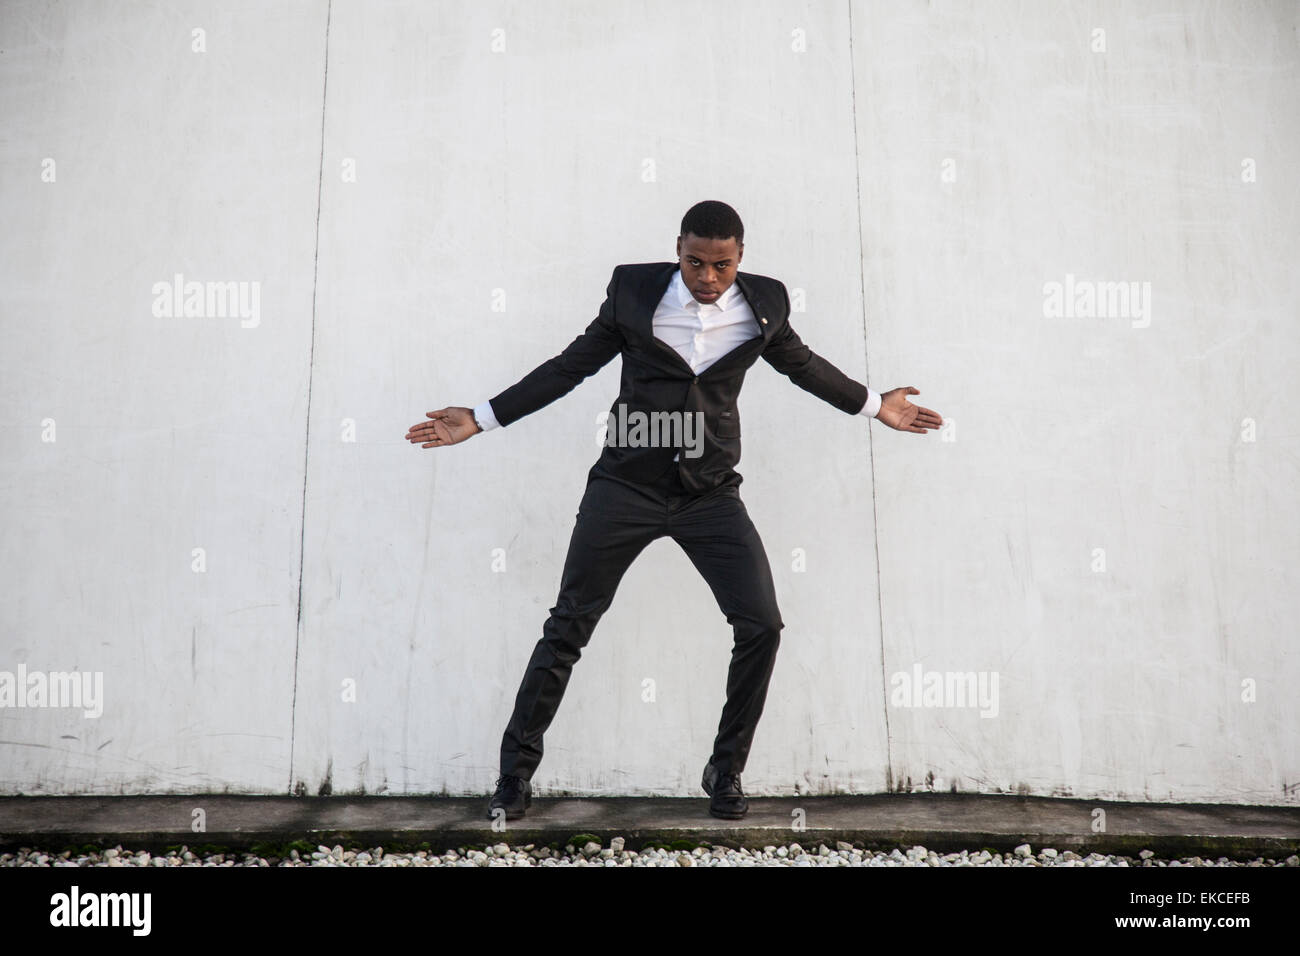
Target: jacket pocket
[(729, 424)]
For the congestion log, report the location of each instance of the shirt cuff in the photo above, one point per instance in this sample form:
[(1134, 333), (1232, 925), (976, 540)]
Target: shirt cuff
[(483, 413), (870, 409)]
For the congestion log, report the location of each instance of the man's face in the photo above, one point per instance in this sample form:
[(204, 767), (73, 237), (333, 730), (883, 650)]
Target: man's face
[(708, 265)]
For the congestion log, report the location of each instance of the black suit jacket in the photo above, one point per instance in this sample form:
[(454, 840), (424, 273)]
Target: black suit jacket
[(657, 379)]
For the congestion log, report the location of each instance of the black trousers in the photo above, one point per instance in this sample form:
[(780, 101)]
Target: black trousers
[(616, 520)]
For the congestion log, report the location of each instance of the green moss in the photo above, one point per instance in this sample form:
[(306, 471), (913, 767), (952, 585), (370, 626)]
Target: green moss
[(267, 850), (208, 849)]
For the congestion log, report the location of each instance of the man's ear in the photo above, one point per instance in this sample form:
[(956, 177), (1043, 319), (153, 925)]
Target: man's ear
[(679, 247)]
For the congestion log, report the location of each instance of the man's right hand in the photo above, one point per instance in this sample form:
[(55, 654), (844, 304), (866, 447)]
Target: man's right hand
[(449, 426)]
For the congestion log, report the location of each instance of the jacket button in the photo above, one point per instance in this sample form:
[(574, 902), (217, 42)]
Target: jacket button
[(764, 321)]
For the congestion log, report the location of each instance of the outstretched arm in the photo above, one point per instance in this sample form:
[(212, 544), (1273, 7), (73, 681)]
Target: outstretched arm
[(788, 355), (554, 378)]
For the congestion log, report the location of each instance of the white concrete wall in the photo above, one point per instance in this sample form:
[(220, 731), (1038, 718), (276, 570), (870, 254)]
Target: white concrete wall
[(1109, 523)]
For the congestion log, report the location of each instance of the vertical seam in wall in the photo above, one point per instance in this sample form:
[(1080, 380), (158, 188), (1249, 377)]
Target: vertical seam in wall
[(871, 457), (311, 365)]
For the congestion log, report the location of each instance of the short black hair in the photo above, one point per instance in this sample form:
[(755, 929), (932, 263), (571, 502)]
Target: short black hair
[(713, 220)]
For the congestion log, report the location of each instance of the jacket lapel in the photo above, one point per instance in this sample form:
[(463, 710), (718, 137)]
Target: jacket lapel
[(652, 293), (756, 303)]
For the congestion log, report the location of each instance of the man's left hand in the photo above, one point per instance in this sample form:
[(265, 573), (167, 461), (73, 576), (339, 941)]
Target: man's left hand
[(898, 413)]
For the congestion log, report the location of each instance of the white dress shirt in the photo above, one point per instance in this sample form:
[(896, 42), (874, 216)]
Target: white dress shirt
[(700, 332)]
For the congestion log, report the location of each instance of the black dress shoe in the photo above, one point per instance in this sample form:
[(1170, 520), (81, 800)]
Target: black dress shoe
[(514, 794), (728, 800)]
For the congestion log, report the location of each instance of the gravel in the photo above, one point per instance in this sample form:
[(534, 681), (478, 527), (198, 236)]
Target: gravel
[(593, 854)]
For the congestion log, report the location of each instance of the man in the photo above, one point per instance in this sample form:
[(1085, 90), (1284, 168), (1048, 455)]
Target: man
[(687, 331)]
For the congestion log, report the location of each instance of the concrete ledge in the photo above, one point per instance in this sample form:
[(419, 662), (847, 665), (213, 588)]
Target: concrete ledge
[(937, 821)]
